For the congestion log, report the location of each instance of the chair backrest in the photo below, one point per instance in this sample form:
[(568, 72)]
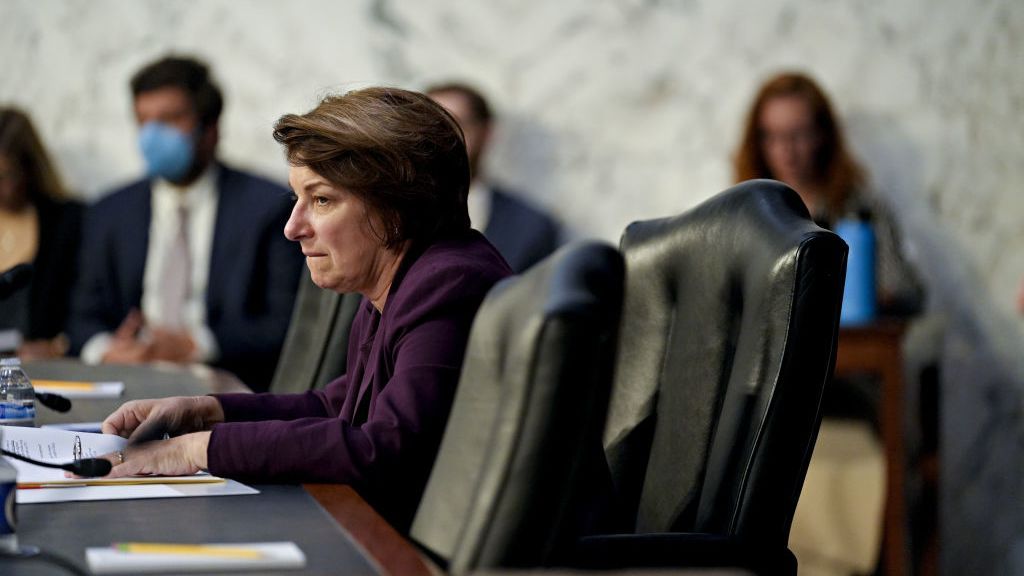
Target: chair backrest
[(730, 319), (526, 423), (315, 349)]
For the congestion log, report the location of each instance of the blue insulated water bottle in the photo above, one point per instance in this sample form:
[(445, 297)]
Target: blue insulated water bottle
[(859, 291)]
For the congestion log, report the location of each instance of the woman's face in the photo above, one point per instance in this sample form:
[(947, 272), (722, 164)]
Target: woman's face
[(12, 193), (789, 139), (333, 227)]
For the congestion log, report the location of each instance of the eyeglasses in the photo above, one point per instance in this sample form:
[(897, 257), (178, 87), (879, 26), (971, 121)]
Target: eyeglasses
[(807, 135)]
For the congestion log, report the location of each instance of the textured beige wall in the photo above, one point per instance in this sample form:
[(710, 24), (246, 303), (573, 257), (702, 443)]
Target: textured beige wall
[(614, 110)]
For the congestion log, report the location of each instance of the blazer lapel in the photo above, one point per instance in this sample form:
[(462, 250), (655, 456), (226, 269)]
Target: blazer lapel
[(135, 227), (369, 352), (224, 237)]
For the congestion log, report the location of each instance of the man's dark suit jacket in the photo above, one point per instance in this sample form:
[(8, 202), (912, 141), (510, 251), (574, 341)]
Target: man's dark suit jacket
[(523, 234), (379, 426), (254, 271)]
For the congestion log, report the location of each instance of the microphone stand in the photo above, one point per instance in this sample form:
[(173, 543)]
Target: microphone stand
[(87, 467)]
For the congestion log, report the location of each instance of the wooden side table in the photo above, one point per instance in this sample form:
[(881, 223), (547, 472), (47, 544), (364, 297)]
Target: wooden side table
[(877, 349)]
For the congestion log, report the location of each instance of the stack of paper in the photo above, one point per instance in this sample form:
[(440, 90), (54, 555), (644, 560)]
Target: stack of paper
[(38, 484)]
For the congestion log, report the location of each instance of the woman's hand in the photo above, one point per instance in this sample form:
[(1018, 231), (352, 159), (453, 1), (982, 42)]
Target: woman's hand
[(142, 421), (180, 456)]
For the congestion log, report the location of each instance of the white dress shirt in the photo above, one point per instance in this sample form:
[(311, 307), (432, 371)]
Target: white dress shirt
[(479, 204), (200, 198)]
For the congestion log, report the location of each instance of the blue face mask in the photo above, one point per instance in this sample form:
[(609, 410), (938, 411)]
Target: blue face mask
[(168, 153)]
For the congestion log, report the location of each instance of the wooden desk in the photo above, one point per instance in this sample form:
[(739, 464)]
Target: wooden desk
[(383, 543), (338, 531), (877, 349)]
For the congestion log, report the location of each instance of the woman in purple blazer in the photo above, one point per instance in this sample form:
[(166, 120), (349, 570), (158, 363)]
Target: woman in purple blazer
[(380, 178)]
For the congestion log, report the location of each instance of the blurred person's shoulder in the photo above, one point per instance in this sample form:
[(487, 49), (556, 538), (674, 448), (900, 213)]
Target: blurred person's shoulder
[(63, 215), (249, 182), (510, 204), (255, 192), (117, 199)]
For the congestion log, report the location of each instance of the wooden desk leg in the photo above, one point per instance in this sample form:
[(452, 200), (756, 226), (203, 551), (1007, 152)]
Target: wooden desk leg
[(895, 539)]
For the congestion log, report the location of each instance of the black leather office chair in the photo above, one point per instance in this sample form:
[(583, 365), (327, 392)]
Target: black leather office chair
[(524, 431), (728, 338), (315, 349)]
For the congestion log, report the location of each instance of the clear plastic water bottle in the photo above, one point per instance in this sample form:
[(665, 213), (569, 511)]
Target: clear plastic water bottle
[(17, 397), (8, 517)]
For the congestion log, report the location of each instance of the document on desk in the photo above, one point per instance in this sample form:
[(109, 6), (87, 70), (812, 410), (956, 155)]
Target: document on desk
[(57, 446), (37, 484), (75, 389), (149, 558)]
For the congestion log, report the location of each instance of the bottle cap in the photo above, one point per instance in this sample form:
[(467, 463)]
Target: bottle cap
[(10, 361)]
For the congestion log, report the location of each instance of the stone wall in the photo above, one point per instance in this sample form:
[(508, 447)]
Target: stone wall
[(611, 110)]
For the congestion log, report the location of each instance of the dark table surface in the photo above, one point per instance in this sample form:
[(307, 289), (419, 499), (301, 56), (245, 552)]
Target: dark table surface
[(140, 382), (277, 513)]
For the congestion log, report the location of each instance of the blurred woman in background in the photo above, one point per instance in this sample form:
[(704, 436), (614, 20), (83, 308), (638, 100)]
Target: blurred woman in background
[(792, 135), (40, 225)]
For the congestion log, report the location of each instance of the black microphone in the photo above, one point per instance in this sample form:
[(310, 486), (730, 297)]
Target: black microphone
[(14, 278), (53, 401), (87, 467)]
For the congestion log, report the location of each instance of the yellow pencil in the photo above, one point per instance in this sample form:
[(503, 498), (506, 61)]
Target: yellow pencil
[(64, 385), (188, 549), (125, 482)]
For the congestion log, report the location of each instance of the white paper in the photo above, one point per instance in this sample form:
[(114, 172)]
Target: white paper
[(275, 555), (57, 446), (90, 389)]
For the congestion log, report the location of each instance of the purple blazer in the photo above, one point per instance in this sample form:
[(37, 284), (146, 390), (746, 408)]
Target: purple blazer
[(378, 427)]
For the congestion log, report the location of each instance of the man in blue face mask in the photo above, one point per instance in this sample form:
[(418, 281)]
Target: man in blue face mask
[(189, 264)]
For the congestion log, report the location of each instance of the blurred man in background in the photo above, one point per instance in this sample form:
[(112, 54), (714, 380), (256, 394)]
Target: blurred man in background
[(190, 263), (521, 232)]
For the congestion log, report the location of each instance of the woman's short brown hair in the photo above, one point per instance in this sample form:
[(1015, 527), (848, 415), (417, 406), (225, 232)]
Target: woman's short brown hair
[(839, 172), (400, 152)]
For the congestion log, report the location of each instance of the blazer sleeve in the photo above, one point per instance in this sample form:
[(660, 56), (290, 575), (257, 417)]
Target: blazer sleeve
[(406, 424), (396, 444), (258, 407)]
